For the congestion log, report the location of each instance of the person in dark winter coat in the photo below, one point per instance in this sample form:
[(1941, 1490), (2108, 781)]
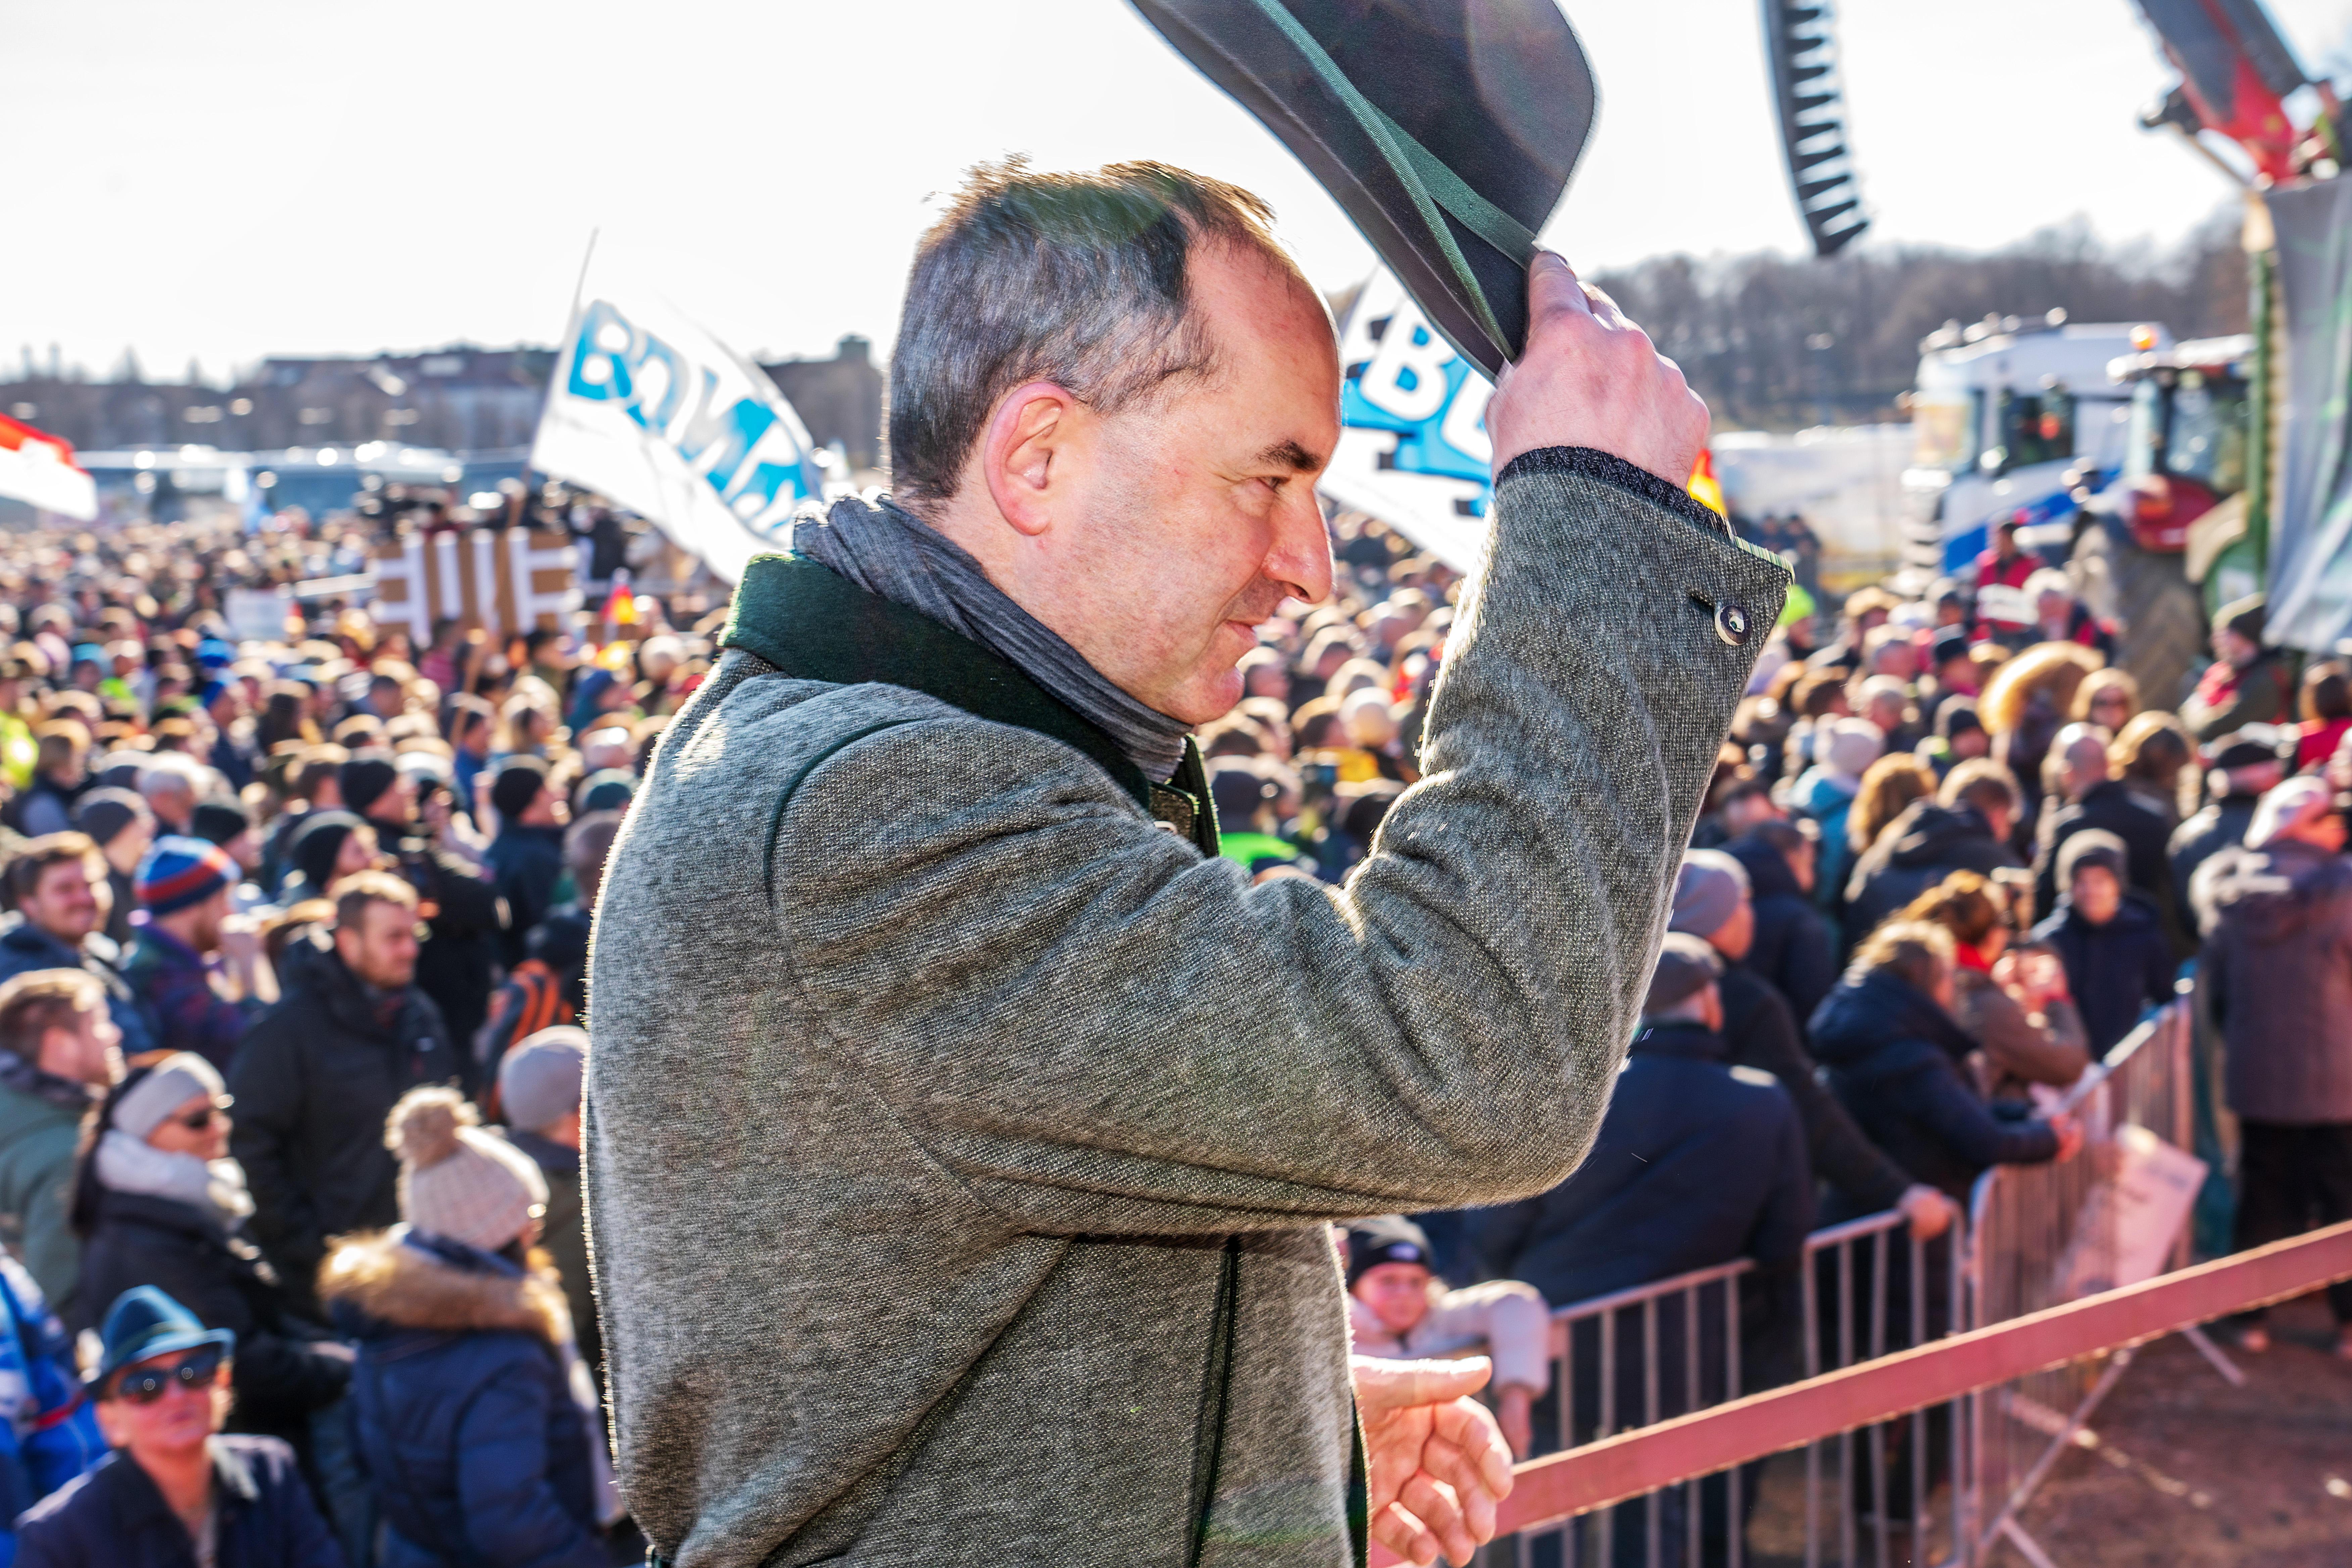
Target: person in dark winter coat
[(1711, 902), (320, 1072), (2118, 963), (1792, 950), (465, 931), (2095, 800), (119, 823), (163, 1393), (157, 1201), (526, 857), (2246, 766), (63, 897), (476, 1420), (60, 1052), (2277, 968), (1896, 1060), (1651, 1200), (1965, 828)]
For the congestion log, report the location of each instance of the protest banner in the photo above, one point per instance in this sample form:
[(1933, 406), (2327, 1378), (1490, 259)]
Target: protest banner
[(1412, 449), (651, 411)]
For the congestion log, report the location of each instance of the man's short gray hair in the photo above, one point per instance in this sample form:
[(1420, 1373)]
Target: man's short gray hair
[(1077, 278)]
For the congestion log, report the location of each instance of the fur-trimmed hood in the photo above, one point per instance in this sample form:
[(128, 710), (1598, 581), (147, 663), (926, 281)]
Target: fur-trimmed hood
[(406, 1281)]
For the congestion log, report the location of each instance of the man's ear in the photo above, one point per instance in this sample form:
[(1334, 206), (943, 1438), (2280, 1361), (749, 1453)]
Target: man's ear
[(1024, 458)]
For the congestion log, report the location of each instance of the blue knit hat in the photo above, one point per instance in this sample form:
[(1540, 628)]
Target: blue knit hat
[(179, 872)]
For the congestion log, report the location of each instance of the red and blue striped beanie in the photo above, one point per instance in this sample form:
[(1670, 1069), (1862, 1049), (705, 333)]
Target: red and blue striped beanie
[(178, 872)]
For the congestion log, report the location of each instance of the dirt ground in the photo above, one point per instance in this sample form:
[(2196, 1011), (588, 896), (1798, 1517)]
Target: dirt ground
[(2187, 1472), (2267, 1467)]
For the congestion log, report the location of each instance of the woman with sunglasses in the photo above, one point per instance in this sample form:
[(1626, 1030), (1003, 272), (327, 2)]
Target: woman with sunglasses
[(158, 1202), (174, 1493)]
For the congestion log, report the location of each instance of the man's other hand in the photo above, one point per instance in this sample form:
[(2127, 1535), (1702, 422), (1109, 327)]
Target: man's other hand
[(1591, 378), (1436, 1465)]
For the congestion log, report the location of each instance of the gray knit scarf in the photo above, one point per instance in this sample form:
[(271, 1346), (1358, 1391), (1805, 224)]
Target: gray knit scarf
[(887, 551)]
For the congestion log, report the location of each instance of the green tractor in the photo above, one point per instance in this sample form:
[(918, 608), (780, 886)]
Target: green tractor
[(2161, 547)]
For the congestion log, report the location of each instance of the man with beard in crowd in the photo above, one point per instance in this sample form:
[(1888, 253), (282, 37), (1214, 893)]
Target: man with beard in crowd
[(1059, 1097), (321, 1070), (468, 919), (63, 896)]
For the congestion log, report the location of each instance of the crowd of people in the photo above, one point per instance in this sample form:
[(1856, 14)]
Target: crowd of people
[(292, 982), (291, 978)]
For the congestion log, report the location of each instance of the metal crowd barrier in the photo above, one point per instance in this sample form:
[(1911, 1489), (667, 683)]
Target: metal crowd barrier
[(1937, 1484), (1656, 1351), (2039, 1240)]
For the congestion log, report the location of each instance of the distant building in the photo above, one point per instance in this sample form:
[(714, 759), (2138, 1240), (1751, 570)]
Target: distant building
[(455, 399), (839, 399), (458, 399)]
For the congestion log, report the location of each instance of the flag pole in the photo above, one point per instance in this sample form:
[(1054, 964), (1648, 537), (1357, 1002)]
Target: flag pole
[(579, 287)]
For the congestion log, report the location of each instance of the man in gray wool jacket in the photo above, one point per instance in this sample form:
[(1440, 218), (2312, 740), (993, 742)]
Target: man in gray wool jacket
[(961, 1130)]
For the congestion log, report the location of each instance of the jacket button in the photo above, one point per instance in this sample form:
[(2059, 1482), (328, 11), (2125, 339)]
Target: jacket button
[(1731, 623)]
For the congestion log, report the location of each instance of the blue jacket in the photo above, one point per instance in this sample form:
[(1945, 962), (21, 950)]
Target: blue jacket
[(48, 1432), (2117, 971), (1696, 1163), (468, 1424), (25, 947), (114, 1516), (1895, 1058)]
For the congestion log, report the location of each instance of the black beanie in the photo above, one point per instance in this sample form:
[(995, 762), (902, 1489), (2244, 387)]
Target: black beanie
[(316, 845), (218, 821), (516, 785), (365, 778), (1391, 1238), (105, 813)]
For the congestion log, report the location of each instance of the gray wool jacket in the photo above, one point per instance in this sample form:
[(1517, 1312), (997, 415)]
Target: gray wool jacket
[(960, 1140)]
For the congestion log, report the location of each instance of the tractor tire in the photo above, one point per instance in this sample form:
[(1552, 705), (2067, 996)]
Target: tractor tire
[(2160, 622)]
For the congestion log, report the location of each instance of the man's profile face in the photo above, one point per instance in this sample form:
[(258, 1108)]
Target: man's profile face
[(1198, 506)]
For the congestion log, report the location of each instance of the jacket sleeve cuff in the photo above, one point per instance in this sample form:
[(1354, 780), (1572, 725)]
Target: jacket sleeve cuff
[(1591, 463)]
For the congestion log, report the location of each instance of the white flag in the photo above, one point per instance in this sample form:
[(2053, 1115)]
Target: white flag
[(1413, 450), (39, 470), (648, 409)]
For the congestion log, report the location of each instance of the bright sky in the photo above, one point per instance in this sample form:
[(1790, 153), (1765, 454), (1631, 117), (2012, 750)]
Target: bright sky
[(225, 180)]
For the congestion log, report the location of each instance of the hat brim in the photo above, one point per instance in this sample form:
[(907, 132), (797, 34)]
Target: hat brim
[(168, 1344), (1499, 91)]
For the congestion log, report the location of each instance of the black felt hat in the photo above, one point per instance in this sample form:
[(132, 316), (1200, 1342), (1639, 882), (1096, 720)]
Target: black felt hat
[(1446, 129)]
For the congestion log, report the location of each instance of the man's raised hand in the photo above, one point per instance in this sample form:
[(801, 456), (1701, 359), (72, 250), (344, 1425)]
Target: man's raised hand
[(1591, 378), (1435, 1464)]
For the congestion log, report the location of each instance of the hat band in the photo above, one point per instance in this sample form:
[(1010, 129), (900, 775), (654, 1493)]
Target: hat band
[(1426, 176)]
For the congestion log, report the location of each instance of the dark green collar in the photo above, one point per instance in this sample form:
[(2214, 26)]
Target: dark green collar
[(813, 624)]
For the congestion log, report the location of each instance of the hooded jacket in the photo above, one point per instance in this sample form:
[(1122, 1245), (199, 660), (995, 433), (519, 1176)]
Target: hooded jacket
[(314, 1081), (1059, 1098), (2116, 972), (1792, 952), (1897, 1061), (2277, 966), (1915, 852), (470, 1427)]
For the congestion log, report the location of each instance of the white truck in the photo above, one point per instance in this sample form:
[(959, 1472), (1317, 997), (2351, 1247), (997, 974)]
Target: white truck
[(2012, 419)]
